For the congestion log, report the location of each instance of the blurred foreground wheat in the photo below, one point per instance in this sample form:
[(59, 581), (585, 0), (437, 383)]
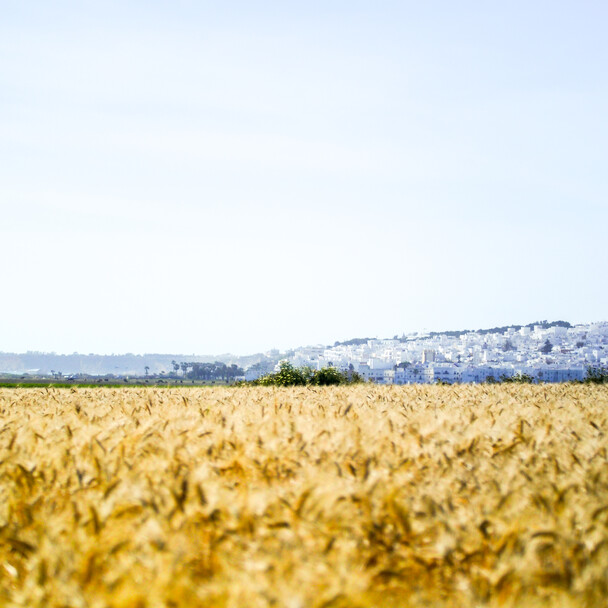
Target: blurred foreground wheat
[(334, 497)]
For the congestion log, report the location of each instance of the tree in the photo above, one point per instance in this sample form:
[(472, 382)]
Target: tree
[(547, 347), (288, 375), (233, 371), (597, 375), (519, 378), (221, 370), (327, 376), (213, 371), (175, 365), (147, 368), (507, 346)]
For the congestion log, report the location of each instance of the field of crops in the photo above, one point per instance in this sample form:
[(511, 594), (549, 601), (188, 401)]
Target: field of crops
[(304, 497)]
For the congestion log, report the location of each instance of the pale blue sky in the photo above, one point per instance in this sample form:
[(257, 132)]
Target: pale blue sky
[(203, 177)]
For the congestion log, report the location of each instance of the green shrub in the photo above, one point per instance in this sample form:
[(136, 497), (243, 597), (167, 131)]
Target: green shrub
[(597, 375), (517, 378), (288, 375), (328, 376)]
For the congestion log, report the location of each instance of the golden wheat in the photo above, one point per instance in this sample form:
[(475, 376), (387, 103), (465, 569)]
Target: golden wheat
[(304, 497)]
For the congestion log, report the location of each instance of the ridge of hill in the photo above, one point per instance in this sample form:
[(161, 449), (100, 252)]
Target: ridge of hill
[(35, 362)]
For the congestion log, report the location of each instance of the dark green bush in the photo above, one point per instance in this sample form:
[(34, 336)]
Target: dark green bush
[(517, 379), (597, 375), (289, 375), (329, 376)]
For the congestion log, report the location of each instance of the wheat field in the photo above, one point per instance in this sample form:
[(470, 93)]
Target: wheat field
[(357, 496)]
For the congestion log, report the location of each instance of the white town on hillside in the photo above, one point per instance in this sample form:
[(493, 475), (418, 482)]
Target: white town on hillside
[(547, 354)]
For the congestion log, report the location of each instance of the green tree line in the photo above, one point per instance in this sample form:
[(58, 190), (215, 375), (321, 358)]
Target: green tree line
[(207, 371)]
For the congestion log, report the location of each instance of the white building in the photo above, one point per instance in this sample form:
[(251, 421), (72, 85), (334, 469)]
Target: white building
[(470, 356)]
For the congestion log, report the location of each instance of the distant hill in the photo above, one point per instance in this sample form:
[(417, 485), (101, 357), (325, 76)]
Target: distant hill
[(501, 330), (460, 332), (99, 365), (130, 364)]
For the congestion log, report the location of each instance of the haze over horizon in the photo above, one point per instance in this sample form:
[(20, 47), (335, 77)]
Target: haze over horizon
[(204, 178)]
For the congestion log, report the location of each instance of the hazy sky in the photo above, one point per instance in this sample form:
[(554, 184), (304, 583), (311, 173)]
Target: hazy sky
[(203, 177)]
